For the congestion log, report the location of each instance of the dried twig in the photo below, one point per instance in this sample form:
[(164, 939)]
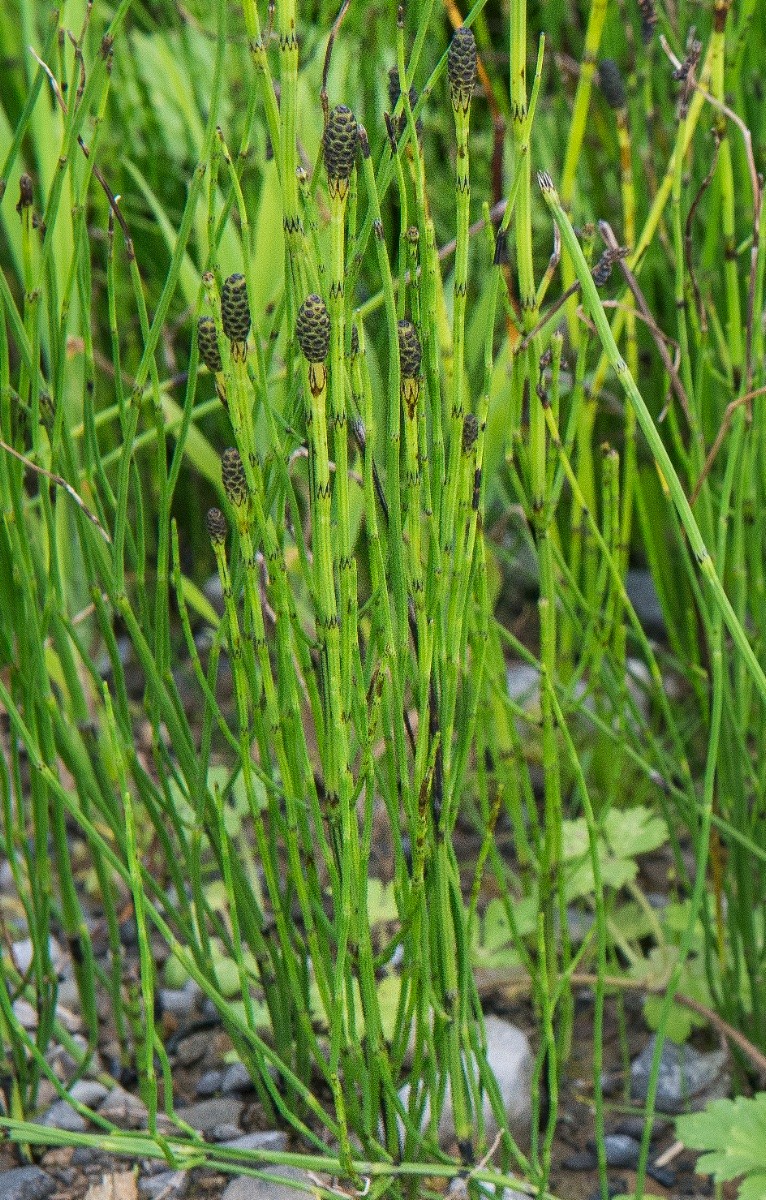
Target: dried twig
[(610, 240), (62, 483), (725, 424)]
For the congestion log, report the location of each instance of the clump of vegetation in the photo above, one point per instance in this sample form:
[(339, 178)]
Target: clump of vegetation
[(308, 346)]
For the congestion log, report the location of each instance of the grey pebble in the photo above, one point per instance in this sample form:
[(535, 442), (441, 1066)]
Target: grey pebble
[(209, 1083), (63, 1063), (123, 1109), (523, 683), (247, 1187), (208, 1113), (193, 1048), (621, 1150), (236, 1078), (88, 1091), (509, 1056), (614, 1187), (68, 993), (177, 1002), (7, 882), (270, 1141), (154, 1166), (26, 1183), (23, 950), (581, 1160), (168, 1184), (634, 1127), (643, 596), (61, 1115), (611, 1083), (89, 1157), (208, 1011), (458, 1189), (224, 1133), (25, 1013), (687, 1078), (662, 1175), (213, 589), (66, 1175), (46, 1095)]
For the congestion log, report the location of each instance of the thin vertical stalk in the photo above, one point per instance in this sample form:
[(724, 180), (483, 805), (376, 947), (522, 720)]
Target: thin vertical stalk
[(649, 430), (526, 366), (577, 127)]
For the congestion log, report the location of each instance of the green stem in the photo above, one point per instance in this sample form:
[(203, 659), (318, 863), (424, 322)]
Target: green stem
[(650, 432)]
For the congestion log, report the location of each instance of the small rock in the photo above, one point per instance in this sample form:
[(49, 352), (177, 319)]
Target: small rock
[(247, 1187), (581, 1160), (153, 1166), (25, 1013), (236, 1078), (46, 1095), (208, 1113), (271, 1141), (523, 683), (65, 1064), (193, 1048), (687, 1079), (611, 1082), (129, 933), (208, 1011), (213, 589), (662, 1175), (67, 1176), (7, 882), (643, 596), (61, 1115), (71, 1021), (57, 1158), (177, 1002), (123, 1109), (170, 1185), (68, 994), (458, 1189), (88, 1157), (224, 1133), (614, 1187), (88, 1091), (621, 1150), (634, 1127), (209, 1083), (26, 1183), (23, 951), (509, 1056)]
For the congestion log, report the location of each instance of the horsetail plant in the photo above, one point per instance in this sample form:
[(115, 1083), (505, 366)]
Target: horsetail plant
[(361, 579), (648, 428), (339, 148), (235, 315), (461, 71)]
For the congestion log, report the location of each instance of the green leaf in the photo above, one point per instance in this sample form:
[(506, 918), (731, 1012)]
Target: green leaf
[(632, 921), (633, 831), (389, 991), (494, 944), (733, 1132), (381, 902)]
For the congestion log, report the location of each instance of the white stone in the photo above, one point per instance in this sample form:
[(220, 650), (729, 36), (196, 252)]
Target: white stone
[(509, 1056)]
